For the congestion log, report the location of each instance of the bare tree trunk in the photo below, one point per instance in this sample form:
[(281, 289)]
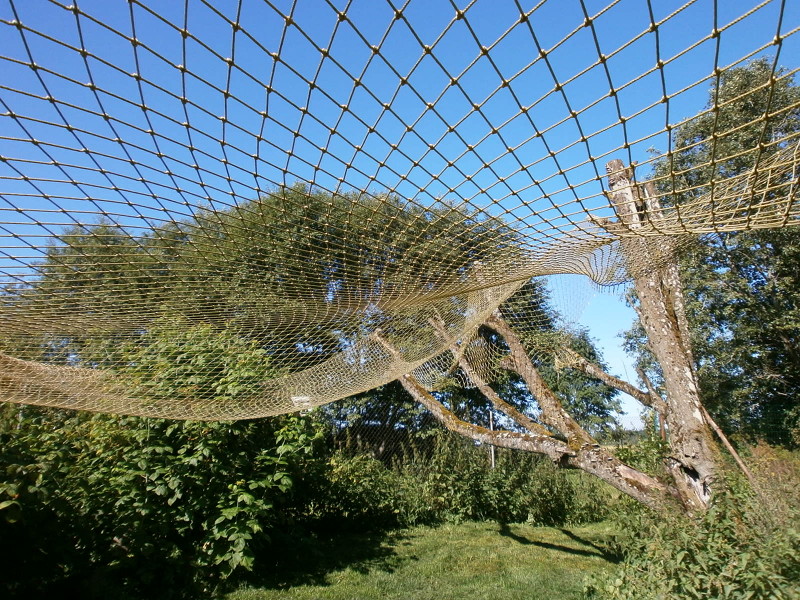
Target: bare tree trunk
[(693, 463)]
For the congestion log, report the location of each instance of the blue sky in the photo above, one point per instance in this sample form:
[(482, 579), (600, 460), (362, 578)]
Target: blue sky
[(145, 110), (392, 133), (607, 317), (605, 314)]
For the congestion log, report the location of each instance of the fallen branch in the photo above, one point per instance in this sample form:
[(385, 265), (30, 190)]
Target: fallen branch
[(724, 439), (553, 413), (555, 449), (579, 451)]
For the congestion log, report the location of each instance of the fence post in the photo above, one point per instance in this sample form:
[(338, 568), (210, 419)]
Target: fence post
[(491, 446)]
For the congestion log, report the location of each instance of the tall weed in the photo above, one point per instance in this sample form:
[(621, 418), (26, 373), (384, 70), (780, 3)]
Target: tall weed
[(453, 481), (745, 547)]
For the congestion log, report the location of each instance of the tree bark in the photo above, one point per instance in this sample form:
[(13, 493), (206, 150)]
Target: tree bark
[(555, 449), (579, 451), (590, 458), (692, 463)]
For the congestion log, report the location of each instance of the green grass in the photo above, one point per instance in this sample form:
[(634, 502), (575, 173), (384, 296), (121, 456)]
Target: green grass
[(470, 560)]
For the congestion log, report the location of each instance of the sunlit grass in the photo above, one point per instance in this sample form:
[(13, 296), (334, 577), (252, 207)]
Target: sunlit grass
[(469, 560)]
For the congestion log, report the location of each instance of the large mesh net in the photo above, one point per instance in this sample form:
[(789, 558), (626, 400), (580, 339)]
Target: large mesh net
[(237, 209)]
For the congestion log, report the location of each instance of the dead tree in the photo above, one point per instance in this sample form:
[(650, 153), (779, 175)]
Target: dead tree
[(656, 280), (558, 436)]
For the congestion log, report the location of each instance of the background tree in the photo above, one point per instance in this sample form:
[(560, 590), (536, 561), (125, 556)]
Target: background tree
[(258, 271), (161, 506), (741, 288)]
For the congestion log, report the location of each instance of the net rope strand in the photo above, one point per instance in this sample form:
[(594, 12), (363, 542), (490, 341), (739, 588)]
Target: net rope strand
[(244, 196)]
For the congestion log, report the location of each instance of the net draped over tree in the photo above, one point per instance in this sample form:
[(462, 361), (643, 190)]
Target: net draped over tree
[(347, 192)]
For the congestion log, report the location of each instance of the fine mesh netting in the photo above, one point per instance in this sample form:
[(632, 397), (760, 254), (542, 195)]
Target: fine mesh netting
[(237, 209)]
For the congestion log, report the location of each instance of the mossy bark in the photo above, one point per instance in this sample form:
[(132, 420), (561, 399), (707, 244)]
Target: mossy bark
[(589, 456)]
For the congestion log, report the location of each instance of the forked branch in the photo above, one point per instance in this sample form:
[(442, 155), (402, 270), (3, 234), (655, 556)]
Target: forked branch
[(580, 451), (553, 413), (591, 458), (555, 449)]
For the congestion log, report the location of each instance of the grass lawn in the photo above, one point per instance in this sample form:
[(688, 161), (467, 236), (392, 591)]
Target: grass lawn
[(469, 560)]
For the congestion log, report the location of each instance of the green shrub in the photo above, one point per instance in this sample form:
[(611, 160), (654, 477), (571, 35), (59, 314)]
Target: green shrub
[(730, 552), (648, 453), (357, 491), (451, 482), (149, 508), (451, 479), (525, 487)]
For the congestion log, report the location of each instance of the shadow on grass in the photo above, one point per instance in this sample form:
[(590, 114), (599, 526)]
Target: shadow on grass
[(293, 560), (603, 549), (597, 550)]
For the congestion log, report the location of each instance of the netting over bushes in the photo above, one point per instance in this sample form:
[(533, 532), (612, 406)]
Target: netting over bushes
[(216, 209)]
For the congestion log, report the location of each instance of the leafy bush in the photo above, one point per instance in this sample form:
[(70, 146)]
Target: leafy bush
[(38, 549), (97, 505), (356, 491), (451, 482), (153, 508), (646, 454), (523, 487), (730, 552), (147, 507)]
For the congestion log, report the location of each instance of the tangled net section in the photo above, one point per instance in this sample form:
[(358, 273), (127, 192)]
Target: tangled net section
[(282, 204)]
